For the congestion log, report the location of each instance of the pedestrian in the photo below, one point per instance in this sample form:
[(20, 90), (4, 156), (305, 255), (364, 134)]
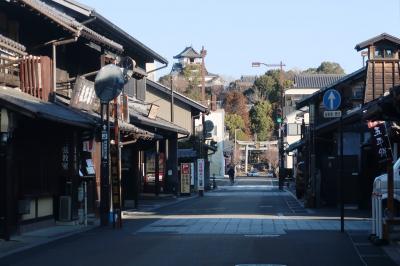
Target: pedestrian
[(231, 173)]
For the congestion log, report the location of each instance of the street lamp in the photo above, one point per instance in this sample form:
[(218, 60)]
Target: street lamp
[(279, 121), (234, 149)]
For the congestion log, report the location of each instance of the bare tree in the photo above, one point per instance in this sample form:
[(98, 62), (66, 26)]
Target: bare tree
[(272, 157)]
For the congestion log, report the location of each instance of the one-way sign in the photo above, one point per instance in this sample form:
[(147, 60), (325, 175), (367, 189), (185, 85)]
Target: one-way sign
[(332, 99)]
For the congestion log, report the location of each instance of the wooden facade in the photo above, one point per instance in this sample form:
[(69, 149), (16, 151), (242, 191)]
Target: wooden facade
[(321, 152)]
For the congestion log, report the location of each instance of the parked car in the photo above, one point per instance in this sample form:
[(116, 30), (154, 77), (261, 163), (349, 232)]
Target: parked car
[(253, 172)]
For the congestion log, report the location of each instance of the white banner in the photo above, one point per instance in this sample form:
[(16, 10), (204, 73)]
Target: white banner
[(200, 174)]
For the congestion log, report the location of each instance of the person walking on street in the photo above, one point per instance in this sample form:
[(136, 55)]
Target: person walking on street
[(231, 173)]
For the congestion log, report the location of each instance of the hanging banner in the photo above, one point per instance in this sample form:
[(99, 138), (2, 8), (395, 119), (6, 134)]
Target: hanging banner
[(381, 141), (200, 174), (185, 178), (192, 174)]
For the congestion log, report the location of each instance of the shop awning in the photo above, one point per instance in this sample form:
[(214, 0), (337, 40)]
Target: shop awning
[(30, 106), (187, 153), (385, 108), (136, 132), (295, 146)]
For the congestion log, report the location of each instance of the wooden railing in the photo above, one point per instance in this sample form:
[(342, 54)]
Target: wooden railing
[(36, 76), (9, 71)]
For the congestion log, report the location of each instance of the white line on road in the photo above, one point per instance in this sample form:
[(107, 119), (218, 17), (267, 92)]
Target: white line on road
[(261, 236)]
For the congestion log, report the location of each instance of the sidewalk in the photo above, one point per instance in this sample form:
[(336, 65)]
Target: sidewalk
[(25, 241), (40, 237), (392, 250)]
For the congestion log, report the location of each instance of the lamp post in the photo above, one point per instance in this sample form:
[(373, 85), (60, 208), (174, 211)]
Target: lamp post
[(234, 149), (279, 121)]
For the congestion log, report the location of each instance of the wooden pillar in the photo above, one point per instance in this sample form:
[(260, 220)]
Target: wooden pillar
[(173, 163), (157, 168), (5, 199)]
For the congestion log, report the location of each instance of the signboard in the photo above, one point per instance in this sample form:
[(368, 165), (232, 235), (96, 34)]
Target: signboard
[(332, 114), (153, 111), (185, 178), (381, 141), (332, 100), (200, 174), (84, 96)]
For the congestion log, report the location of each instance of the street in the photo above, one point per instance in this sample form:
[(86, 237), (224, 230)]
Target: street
[(250, 222)]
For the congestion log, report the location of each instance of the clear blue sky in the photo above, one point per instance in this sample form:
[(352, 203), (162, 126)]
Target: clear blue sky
[(236, 32)]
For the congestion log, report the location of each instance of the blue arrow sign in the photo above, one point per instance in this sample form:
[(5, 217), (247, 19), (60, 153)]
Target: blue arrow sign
[(332, 99)]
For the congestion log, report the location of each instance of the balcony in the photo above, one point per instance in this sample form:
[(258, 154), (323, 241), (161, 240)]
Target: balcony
[(31, 74)]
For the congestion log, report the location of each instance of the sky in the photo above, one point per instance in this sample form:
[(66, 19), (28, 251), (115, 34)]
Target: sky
[(235, 33)]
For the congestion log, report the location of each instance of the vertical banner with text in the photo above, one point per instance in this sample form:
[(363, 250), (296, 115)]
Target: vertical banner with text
[(381, 140), (200, 174), (185, 178)]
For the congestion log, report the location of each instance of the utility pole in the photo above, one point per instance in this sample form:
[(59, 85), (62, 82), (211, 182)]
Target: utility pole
[(279, 121), (203, 54), (172, 101)]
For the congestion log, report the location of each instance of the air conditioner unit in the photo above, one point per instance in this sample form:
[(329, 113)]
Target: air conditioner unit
[(65, 208)]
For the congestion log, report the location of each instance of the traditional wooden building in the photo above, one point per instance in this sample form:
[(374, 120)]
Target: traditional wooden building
[(321, 139), (50, 53)]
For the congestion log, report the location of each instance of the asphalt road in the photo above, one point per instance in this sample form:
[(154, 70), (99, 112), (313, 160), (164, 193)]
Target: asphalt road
[(250, 222)]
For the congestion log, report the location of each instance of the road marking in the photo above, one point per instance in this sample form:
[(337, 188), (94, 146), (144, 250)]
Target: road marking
[(261, 236), (260, 265)]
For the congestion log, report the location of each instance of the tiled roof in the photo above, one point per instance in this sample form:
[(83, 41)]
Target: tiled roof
[(141, 119), (248, 78), (15, 46), (315, 80), (195, 105), (346, 78), (188, 52), (69, 23), (111, 30), (380, 37), (31, 106)]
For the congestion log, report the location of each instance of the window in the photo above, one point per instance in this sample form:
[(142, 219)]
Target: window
[(388, 53), (136, 88), (378, 53), (383, 53), (293, 129)]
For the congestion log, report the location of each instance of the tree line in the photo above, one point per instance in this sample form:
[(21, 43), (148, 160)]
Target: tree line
[(251, 111)]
